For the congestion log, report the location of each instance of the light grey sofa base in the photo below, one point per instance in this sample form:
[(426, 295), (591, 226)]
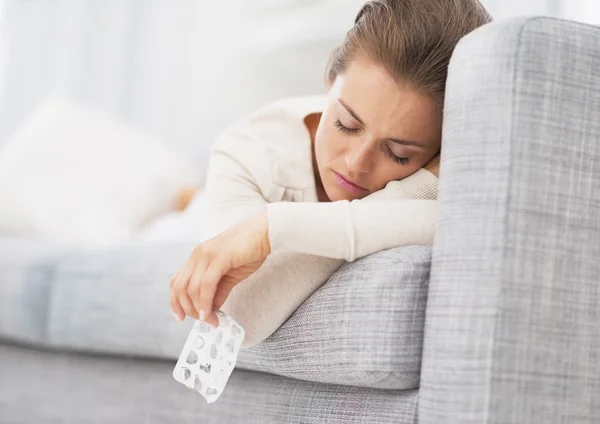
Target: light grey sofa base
[(51, 387)]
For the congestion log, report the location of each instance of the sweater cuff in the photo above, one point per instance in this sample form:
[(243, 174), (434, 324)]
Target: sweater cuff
[(420, 185)]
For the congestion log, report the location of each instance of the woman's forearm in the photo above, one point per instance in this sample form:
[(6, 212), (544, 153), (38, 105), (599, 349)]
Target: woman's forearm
[(401, 214), (266, 299)]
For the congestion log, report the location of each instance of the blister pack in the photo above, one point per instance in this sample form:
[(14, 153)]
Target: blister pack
[(209, 355)]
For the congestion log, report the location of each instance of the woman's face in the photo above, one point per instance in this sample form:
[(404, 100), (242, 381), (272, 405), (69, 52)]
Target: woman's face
[(373, 131)]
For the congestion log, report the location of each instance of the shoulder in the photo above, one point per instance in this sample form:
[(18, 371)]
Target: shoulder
[(277, 126), (272, 143)]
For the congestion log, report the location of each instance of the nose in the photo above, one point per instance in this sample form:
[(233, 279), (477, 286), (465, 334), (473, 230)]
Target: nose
[(359, 159)]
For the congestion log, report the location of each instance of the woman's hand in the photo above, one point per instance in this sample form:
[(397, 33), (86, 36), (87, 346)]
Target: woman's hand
[(216, 266)]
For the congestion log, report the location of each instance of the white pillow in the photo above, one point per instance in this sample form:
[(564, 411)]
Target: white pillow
[(74, 175)]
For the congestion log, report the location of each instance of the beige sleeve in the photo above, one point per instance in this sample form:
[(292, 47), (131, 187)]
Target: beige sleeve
[(232, 190), (351, 230), (265, 300)]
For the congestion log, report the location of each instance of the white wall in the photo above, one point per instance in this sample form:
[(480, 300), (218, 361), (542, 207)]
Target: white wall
[(3, 46), (501, 9), (182, 70), (578, 10), (581, 10)]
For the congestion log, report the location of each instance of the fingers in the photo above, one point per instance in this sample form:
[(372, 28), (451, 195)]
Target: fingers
[(212, 320), (180, 288), (209, 283), (195, 288), (173, 279), (176, 307)]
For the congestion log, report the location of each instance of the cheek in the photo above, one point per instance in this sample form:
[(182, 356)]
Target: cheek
[(329, 144)]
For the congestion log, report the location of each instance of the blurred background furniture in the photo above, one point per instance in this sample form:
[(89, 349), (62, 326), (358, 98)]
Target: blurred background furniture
[(498, 324)]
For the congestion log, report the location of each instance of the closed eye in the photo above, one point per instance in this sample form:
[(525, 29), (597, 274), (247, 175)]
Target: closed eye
[(399, 160), (386, 148), (344, 128)]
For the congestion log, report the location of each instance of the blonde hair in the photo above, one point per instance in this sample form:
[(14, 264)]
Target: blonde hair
[(412, 39)]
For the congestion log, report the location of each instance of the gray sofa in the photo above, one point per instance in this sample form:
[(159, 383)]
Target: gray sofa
[(498, 323)]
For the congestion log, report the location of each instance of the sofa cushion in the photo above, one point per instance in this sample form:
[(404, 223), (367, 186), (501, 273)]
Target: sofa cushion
[(364, 327), (25, 286), (111, 300)]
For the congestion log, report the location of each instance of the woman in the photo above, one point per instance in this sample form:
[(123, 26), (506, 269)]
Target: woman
[(303, 185)]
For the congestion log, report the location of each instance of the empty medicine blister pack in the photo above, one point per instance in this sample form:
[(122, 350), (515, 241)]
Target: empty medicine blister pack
[(209, 355)]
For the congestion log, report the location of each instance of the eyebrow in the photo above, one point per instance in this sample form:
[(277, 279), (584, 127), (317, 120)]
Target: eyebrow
[(350, 111), (395, 140)]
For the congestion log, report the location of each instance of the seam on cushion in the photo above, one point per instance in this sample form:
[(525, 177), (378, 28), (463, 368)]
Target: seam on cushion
[(501, 289), (415, 409)]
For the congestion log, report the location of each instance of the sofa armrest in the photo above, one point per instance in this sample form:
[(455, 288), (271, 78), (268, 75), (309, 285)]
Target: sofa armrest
[(513, 321)]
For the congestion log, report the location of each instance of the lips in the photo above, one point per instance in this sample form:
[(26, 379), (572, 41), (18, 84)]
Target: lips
[(348, 185)]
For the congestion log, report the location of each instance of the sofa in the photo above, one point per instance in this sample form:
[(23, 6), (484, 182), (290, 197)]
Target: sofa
[(497, 322)]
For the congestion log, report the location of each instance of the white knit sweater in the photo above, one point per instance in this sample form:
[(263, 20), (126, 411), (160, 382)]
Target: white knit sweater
[(265, 160)]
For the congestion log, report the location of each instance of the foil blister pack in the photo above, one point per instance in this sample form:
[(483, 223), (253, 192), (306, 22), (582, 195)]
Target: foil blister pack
[(209, 355)]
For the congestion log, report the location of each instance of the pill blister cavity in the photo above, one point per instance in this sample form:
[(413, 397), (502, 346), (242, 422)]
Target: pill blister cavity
[(202, 327), (192, 357), (230, 345), (205, 368), (198, 343)]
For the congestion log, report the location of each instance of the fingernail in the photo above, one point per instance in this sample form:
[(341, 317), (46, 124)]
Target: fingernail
[(202, 314), (177, 317)]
